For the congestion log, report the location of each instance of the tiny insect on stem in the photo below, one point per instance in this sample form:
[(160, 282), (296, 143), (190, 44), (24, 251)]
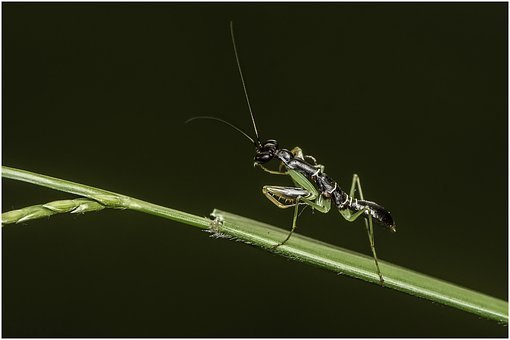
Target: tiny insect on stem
[(313, 187)]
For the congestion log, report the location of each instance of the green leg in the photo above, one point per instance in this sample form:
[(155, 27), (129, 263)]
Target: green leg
[(294, 219), (320, 204), (304, 193), (368, 224), (272, 172)]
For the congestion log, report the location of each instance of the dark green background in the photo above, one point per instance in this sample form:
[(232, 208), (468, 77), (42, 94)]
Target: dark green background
[(412, 97)]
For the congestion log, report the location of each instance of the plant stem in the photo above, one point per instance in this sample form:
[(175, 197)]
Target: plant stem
[(107, 198), (299, 248), (360, 266)]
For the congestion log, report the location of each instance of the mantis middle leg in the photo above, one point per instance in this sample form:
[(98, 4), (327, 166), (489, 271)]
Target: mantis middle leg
[(286, 197)]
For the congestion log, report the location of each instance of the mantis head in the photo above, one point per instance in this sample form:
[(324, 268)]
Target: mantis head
[(266, 151)]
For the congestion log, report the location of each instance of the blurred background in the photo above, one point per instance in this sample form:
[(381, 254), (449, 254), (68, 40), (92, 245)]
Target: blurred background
[(412, 97)]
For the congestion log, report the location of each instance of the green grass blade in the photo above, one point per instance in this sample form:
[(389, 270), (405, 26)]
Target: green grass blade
[(350, 263), (263, 235)]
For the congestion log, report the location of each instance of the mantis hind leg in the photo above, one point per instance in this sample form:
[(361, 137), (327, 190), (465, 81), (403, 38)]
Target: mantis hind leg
[(368, 224)]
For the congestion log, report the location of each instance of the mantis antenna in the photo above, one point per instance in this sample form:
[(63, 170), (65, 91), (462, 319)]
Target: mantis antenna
[(223, 121), (242, 80), (257, 142)]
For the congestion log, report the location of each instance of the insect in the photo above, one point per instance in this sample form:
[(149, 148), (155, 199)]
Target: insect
[(312, 186)]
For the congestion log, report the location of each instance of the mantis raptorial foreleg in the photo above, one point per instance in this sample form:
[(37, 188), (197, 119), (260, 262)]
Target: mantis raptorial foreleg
[(286, 197), (272, 172)]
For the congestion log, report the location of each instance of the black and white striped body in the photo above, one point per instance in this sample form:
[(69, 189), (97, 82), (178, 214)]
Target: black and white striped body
[(327, 187)]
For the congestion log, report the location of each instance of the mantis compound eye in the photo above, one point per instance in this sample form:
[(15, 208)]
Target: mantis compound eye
[(270, 144), (263, 157)]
